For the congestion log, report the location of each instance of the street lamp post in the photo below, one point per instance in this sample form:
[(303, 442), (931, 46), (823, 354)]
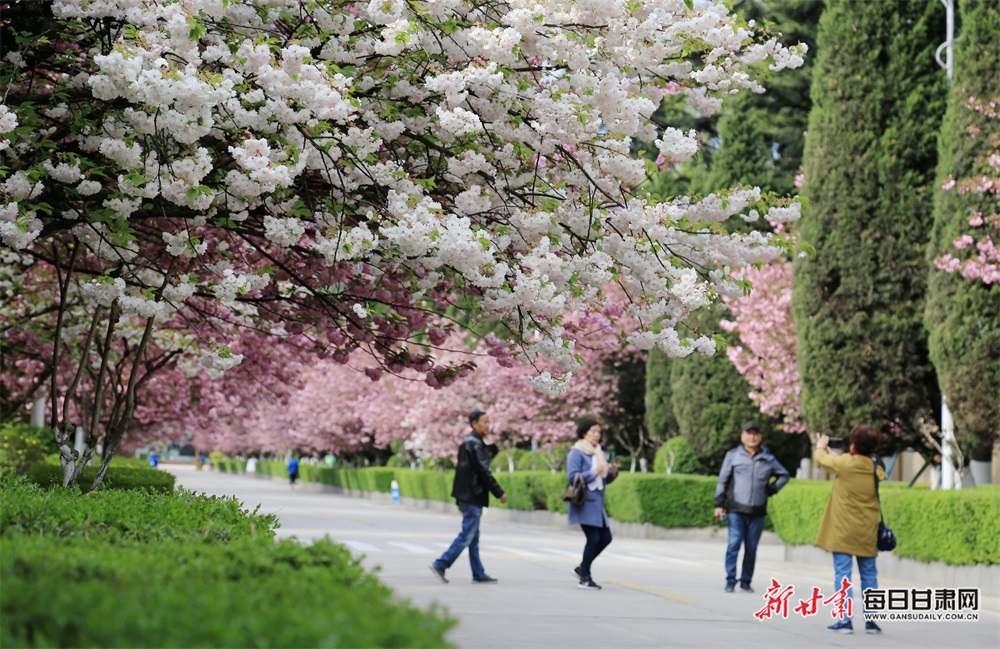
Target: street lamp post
[(948, 473), (948, 44)]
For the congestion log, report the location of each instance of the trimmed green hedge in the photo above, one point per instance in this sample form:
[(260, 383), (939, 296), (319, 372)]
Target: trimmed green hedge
[(123, 461), (430, 485), (136, 515), (230, 465), (119, 476), (372, 479), (956, 527), (797, 510), (80, 593), (119, 569), (531, 490), (668, 501)]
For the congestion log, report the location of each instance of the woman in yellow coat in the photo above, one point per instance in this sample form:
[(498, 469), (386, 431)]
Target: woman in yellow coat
[(850, 522)]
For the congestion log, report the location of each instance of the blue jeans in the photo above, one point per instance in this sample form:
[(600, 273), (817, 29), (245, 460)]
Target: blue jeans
[(842, 564), (744, 530), (467, 538)]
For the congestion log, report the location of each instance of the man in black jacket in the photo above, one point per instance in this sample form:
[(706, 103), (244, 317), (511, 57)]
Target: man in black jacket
[(473, 483)]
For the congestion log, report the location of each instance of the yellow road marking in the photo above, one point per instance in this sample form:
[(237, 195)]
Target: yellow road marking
[(502, 553), (651, 591)]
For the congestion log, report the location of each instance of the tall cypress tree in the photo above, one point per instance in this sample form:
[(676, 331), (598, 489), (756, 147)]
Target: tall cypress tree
[(660, 420), (870, 159), (963, 315)]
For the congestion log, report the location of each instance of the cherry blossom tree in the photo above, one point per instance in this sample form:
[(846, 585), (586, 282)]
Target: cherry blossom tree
[(766, 353), (354, 407), (214, 409), (343, 172), (340, 409)]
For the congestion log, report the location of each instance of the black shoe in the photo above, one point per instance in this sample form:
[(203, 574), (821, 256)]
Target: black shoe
[(485, 579), (730, 589), (588, 584), (579, 575), (438, 572), (871, 627), (746, 589)]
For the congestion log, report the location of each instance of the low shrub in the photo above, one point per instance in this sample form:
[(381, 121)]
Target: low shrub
[(119, 569), (956, 527), (518, 488), (102, 593), (230, 465), (47, 474), (22, 445), (679, 456), (430, 485), (273, 468), (374, 479), (668, 501), (130, 462), (398, 461), (547, 489), (126, 515), (797, 510)]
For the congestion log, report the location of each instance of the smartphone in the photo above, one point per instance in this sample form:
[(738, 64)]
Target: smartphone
[(836, 443)]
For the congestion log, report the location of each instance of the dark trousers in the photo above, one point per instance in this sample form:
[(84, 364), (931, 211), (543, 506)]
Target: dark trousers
[(598, 538), (744, 530)]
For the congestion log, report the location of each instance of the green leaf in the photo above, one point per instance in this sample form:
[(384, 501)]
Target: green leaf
[(197, 30)]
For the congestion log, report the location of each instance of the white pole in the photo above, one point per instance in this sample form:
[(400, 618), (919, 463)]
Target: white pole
[(78, 442), (947, 423), (948, 44), (38, 412), (805, 469), (947, 439)]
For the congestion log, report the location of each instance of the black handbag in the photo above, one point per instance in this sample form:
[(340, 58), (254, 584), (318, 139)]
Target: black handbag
[(576, 491), (886, 537)]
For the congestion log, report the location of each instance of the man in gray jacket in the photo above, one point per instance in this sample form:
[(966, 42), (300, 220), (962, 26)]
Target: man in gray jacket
[(741, 497)]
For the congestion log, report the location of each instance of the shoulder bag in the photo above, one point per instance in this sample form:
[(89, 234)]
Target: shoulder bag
[(576, 491), (886, 537)]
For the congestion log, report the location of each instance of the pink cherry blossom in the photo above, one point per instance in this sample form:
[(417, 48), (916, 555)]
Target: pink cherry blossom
[(765, 355), (982, 261)]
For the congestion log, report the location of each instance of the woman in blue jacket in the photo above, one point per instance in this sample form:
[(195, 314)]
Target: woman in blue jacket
[(587, 459)]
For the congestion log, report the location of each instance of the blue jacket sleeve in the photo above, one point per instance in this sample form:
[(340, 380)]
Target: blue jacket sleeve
[(579, 462)]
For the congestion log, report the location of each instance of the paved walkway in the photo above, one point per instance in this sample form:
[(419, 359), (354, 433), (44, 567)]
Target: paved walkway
[(657, 593)]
